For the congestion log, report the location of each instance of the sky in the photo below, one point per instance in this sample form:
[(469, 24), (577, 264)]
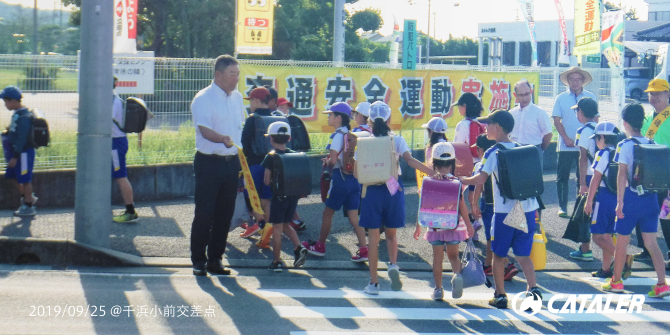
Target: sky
[(458, 20)]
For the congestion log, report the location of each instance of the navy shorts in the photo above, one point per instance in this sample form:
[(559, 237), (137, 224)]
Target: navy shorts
[(379, 208), (638, 210), (487, 216), (505, 237), (23, 170), (282, 209), (604, 212), (344, 191), (258, 174), (119, 151)]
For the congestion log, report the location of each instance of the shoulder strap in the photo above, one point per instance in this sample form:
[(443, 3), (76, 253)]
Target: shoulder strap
[(500, 146), (657, 122), (635, 140)]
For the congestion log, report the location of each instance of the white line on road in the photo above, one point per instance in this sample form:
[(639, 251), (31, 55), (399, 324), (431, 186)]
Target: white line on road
[(309, 332), (454, 314), (630, 281)]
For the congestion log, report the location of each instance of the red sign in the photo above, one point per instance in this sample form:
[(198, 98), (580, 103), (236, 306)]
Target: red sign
[(131, 6), (119, 9), (254, 22)]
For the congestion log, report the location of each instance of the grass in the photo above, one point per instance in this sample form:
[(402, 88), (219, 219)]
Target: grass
[(65, 80)]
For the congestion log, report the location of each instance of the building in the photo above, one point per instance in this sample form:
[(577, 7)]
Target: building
[(659, 10)]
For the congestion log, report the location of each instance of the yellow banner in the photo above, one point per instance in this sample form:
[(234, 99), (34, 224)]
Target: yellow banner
[(414, 96), (249, 183), (255, 20), (587, 27)]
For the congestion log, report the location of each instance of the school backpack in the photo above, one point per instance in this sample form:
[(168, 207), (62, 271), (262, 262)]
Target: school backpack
[(291, 174), (261, 144), (476, 129), (349, 150), (39, 135), (612, 170), (519, 174), (135, 116), (376, 160), (651, 163)]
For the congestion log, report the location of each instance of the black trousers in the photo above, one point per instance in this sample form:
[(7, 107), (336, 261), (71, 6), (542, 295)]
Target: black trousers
[(665, 226), (565, 163), (216, 184)]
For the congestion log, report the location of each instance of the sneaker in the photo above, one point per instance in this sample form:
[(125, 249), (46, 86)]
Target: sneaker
[(372, 289), (244, 226), (438, 294), (361, 255), (510, 272), (266, 234), (34, 199), (126, 217), (457, 286), (562, 214), (659, 291), (298, 226), (315, 248), (300, 256), (584, 256), (616, 287), (643, 256), (276, 267), (394, 275), (499, 301), (535, 291), (25, 210), (251, 230), (628, 267), (602, 273), (488, 270)]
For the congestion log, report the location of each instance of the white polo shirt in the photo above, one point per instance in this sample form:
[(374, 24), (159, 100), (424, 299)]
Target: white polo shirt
[(583, 140), (117, 114), (531, 124), (223, 113)]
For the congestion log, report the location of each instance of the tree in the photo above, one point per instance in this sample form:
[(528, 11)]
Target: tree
[(367, 20), (630, 14)]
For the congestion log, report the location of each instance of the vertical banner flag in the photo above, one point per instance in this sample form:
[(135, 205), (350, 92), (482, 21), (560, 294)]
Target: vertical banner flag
[(255, 20), (393, 52), (527, 10), (612, 48), (409, 46), (125, 26), (564, 55), (587, 27)]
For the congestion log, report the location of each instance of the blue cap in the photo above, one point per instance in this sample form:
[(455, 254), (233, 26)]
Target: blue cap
[(11, 92), (340, 107)]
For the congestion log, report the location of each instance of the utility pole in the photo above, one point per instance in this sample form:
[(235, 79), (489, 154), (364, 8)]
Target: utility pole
[(428, 37), (338, 30), (93, 210), (35, 29)]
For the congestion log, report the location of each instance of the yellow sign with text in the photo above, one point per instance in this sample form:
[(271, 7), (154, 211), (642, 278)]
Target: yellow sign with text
[(414, 96), (587, 27), (255, 20)]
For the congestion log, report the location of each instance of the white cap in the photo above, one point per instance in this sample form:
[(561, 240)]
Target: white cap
[(279, 128), (363, 108), (444, 151), (381, 110), (436, 124), (606, 128)]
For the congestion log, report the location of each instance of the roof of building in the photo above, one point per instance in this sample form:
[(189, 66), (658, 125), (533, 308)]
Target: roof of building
[(659, 33)]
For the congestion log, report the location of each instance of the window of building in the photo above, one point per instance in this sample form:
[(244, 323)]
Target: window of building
[(525, 54), (508, 53), (544, 53)]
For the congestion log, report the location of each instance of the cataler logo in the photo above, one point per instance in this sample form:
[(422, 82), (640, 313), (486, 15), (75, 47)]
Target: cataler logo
[(579, 303), (530, 305)]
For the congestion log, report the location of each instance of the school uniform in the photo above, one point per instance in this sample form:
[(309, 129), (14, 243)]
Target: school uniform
[(583, 140), (504, 237), (485, 202), (16, 145), (344, 191), (119, 141), (639, 207), (379, 207), (254, 160), (603, 217)]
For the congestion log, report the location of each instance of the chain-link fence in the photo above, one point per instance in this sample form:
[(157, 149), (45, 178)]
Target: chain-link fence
[(50, 84)]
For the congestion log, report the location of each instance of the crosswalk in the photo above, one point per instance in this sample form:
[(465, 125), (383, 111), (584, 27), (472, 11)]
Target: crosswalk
[(349, 304)]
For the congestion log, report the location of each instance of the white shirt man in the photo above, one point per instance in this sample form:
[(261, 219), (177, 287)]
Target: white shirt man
[(531, 123)]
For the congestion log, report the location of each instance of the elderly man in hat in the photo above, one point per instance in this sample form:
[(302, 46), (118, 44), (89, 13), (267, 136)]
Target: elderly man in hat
[(566, 123), (657, 127)]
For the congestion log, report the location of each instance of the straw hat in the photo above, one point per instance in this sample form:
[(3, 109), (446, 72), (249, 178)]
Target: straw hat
[(576, 69)]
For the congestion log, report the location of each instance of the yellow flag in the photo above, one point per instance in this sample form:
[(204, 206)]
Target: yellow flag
[(249, 183)]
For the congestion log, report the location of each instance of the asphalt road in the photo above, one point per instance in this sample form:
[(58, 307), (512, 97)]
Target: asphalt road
[(299, 302)]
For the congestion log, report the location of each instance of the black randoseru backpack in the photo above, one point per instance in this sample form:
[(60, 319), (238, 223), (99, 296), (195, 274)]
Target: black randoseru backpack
[(291, 175), (135, 116), (39, 135), (519, 174), (651, 166), (612, 170)]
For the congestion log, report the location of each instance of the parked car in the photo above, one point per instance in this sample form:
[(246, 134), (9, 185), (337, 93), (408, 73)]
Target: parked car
[(636, 80)]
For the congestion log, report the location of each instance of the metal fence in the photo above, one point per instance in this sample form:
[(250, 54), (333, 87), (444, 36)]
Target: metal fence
[(50, 83)]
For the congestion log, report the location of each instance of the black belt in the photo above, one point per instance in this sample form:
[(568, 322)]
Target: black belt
[(219, 157)]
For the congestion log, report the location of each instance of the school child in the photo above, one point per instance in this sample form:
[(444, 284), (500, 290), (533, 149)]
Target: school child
[(281, 208), (380, 208), (503, 237), (587, 111), (604, 216), (20, 155), (360, 115), (345, 191), (444, 163), (635, 206), (469, 128), (436, 128)]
